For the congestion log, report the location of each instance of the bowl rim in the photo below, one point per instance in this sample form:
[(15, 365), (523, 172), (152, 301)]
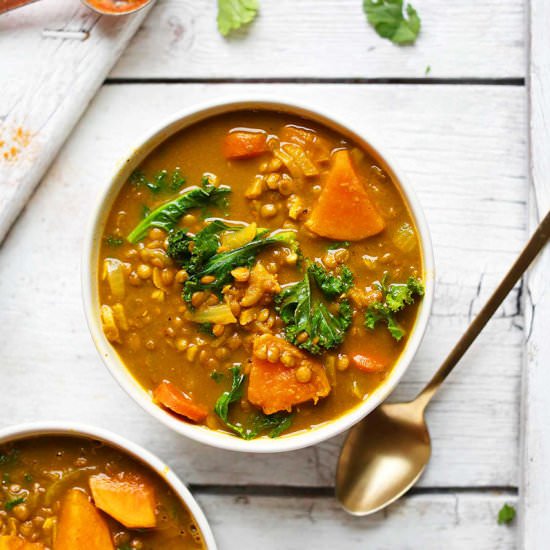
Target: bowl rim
[(89, 268), (137, 452)]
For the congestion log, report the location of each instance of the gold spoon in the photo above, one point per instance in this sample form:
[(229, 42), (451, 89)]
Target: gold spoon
[(385, 454)]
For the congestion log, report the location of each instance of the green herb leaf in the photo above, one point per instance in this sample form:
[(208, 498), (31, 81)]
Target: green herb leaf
[(331, 284), (217, 376), (167, 215), (9, 458), (162, 181), (28, 478), (233, 14), (395, 298), (506, 514), (114, 241), (145, 211), (337, 245), (302, 313), (11, 504), (389, 20), (276, 423), (205, 328)]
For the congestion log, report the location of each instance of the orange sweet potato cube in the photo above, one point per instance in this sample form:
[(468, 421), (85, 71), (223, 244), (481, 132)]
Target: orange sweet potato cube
[(276, 386)]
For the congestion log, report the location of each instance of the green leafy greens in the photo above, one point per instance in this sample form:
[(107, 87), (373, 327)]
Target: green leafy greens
[(11, 504), (113, 241), (202, 258), (276, 423), (394, 299), (233, 14), (506, 514), (167, 215), (161, 182), (389, 20), (304, 313)]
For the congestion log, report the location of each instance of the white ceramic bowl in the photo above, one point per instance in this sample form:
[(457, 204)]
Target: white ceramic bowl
[(37, 429), (109, 355)]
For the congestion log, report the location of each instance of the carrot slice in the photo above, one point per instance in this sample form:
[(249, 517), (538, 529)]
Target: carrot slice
[(171, 397), (275, 386), (344, 210), (126, 497), (367, 364), (81, 525), (13, 542), (244, 145)]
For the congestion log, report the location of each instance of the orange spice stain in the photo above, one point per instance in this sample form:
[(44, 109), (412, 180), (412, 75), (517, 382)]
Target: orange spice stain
[(13, 142)]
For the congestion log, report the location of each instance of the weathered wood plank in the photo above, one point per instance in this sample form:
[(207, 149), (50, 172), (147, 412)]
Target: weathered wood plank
[(327, 39), (535, 482), (466, 157), (451, 521), (53, 58)]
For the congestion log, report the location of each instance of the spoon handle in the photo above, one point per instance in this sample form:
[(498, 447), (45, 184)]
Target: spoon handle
[(532, 248)]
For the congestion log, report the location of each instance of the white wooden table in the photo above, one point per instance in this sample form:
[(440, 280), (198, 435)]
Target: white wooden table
[(461, 134)]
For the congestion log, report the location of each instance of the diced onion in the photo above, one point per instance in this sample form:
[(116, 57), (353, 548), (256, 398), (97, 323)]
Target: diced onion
[(115, 277), (405, 238), (109, 325), (301, 158), (120, 316), (235, 239), (219, 314)]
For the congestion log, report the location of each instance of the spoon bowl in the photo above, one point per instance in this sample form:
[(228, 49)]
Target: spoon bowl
[(371, 476), (386, 453)]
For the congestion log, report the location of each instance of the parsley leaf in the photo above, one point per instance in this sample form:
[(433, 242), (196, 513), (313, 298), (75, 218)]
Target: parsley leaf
[(11, 504), (233, 14), (161, 182), (304, 314), (337, 245), (506, 514), (217, 376), (389, 21), (395, 297), (114, 241), (277, 423)]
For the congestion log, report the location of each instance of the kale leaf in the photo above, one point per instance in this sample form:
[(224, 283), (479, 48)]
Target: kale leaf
[(389, 20), (395, 297), (233, 14), (276, 423), (11, 504), (207, 262), (331, 284), (303, 313), (167, 215)]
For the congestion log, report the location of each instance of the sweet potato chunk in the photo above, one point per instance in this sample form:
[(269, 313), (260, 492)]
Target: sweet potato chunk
[(171, 397), (12, 542), (127, 497), (81, 525), (294, 379), (344, 210), (244, 145)]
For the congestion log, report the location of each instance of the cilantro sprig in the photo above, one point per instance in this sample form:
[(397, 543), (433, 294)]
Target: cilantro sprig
[(392, 20), (233, 14)]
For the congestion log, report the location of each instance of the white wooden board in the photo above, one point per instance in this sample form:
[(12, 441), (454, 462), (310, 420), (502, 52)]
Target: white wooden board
[(453, 521), (535, 488), (466, 157), (53, 57), (327, 39)]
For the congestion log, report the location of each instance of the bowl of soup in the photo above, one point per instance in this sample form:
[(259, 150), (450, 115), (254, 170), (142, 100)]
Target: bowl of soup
[(257, 275), (64, 487)]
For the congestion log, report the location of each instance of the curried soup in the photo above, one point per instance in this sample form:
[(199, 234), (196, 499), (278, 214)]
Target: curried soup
[(259, 274), (71, 493)]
